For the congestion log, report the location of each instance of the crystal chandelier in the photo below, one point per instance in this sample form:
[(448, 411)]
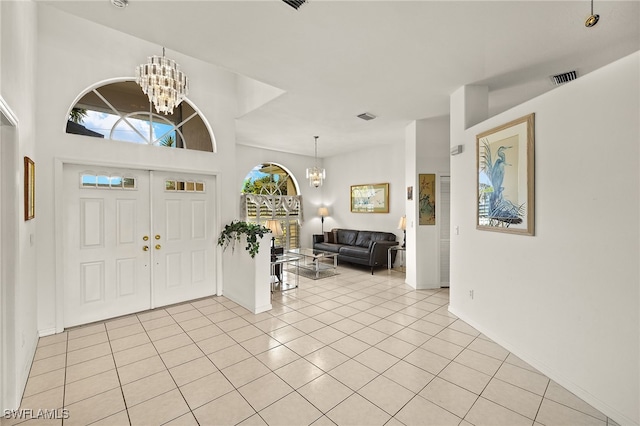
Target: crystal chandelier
[(163, 82), (315, 174)]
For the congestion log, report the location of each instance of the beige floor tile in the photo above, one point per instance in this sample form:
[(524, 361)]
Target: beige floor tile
[(442, 347), (478, 361), (204, 333), (52, 339), (449, 396), (488, 348), (125, 331), (409, 376), (129, 342), (51, 398), (173, 342), (326, 358), (465, 377), (329, 317), (414, 337), (86, 341), (184, 420), (121, 322), (325, 392), (396, 347), (46, 365), (364, 318), (350, 346), (347, 326), (514, 398), (161, 409), (286, 334), (132, 355), (244, 372), (44, 382), (256, 318), (376, 359), (229, 409), (356, 410), (309, 325), (304, 345), (327, 335), (220, 315), (245, 333), (195, 323), (293, 409), (187, 315), (89, 353), (213, 309), (151, 315), (192, 370), (386, 394), (426, 327), (353, 374), (181, 355), (140, 369), (525, 379), (95, 408), (558, 394), (147, 388), (90, 386), (260, 344), (182, 307), (270, 324), (370, 336), (254, 392), (86, 330), (164, 331), (298, 373), (156, 323), (419, 411), (553, 414), (120, 418), (216, 343), (53, 349), (89, 368), (204, 390), (277, 357), (347, 311), (232, 324), (229, 356), (254, 420), (487, 413), (456, 337), (428, 361), (463, 327)]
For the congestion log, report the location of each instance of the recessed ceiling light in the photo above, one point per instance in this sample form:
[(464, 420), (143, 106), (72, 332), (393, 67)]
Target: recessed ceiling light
[(120, 4)]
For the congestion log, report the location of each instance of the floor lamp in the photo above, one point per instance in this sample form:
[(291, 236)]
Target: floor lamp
[(322, 212)]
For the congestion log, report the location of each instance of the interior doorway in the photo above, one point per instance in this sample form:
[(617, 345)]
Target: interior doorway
[(445, 229)]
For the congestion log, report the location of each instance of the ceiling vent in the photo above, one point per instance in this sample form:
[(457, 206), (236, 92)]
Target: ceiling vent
[(366, 116), (120, 4), (564, 77), (295, 3)]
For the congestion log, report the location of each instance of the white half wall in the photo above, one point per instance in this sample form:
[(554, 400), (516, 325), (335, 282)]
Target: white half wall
[(565, 300)]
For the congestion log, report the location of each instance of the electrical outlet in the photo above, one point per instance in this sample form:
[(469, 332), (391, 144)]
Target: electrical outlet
[(471, 294)]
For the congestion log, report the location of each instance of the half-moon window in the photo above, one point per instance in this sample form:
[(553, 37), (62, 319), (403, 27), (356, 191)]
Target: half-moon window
[(121, 111)]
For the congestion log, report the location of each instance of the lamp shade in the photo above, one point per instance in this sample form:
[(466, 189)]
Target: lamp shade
[(403, 223), (323, 211), (275, 227)]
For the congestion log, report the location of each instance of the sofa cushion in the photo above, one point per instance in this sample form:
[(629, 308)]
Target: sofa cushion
[(364, 239), (354, 251), (383, 236), (328, 237), (332, 247), (347, 236)]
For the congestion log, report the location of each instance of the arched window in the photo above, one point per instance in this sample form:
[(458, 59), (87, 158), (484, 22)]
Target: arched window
[(121, 111), (270, 192)]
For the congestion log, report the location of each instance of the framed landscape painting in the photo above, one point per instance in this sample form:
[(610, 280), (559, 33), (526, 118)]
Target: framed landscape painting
[(427, 199), (505, 177), (370, 198)]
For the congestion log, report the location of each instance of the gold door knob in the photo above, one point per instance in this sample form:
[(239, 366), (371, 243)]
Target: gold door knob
[(157, 237), (158, 247), (145, 248), (145, 238)]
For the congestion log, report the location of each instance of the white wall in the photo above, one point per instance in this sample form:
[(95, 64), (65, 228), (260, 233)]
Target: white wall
[(378, 164), (18, 51), (97, 54), (565, 300)]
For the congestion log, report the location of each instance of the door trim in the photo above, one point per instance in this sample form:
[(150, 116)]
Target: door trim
[(58, 171)]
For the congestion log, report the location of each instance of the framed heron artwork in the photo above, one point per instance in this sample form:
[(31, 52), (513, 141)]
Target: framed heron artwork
[(505, 177), (370, 198), (427, 199)]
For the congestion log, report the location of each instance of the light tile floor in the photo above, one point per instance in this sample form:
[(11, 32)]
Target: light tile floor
[(353, 349)]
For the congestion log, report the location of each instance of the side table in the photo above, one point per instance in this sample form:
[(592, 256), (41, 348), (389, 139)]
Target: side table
[(397, 249)]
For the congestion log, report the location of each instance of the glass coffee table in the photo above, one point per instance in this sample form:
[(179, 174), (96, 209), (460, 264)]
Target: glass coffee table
[(316, 261)]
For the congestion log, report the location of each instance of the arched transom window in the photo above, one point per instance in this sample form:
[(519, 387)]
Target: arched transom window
[(121, 111)]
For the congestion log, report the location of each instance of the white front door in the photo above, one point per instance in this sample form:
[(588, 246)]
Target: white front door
[(184, 244), (133, 242)]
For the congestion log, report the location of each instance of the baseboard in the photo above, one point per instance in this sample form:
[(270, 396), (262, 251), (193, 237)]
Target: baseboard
[(47, 332)]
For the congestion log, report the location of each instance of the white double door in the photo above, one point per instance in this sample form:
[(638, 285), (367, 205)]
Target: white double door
[(135, 240)]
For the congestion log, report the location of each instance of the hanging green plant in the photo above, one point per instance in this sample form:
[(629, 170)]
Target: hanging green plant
[(233, 231)]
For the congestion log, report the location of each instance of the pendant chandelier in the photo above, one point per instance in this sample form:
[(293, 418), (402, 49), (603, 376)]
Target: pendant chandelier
[(315, 174), (163, 82)]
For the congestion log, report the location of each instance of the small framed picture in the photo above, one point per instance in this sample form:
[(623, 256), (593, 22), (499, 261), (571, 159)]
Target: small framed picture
[(29, 189), (409, 192)]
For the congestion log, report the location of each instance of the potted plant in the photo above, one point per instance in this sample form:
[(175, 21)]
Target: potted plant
[(233, 232)]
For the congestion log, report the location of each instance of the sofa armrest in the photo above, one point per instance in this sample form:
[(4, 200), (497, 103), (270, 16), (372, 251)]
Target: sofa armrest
[(379, 252), (318, 238)]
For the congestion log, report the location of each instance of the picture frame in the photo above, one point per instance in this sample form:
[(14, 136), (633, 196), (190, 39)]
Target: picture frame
[(505, 177), (409, 193), (427, 199), (29, 189), (370, 198)]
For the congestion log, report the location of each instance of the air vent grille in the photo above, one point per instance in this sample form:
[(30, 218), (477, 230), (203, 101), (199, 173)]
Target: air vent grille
[(564, 77), (295, 3), (366, 116)]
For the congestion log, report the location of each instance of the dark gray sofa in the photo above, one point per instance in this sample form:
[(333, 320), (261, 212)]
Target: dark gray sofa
[(369, 248)]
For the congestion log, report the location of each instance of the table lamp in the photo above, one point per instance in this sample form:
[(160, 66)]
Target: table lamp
[(403, 225)]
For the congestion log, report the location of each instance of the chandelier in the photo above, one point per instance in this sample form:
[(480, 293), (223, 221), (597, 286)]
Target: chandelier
[(315, 174), (163, 82)]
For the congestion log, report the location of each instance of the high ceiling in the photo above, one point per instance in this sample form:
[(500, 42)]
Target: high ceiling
[(399, 60)]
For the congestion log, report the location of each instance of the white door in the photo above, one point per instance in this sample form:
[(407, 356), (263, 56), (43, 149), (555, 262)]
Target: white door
[(183, 241), (135, 240), (445, 229), (107, 269)]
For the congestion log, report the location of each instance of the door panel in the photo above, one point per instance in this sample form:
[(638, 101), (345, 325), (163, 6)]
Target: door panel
[(107, 273), (183, 217)]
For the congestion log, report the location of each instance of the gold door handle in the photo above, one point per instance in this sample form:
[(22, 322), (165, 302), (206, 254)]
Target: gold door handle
[(157, 237), (158, 247), (145, 248), (145, 238)]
